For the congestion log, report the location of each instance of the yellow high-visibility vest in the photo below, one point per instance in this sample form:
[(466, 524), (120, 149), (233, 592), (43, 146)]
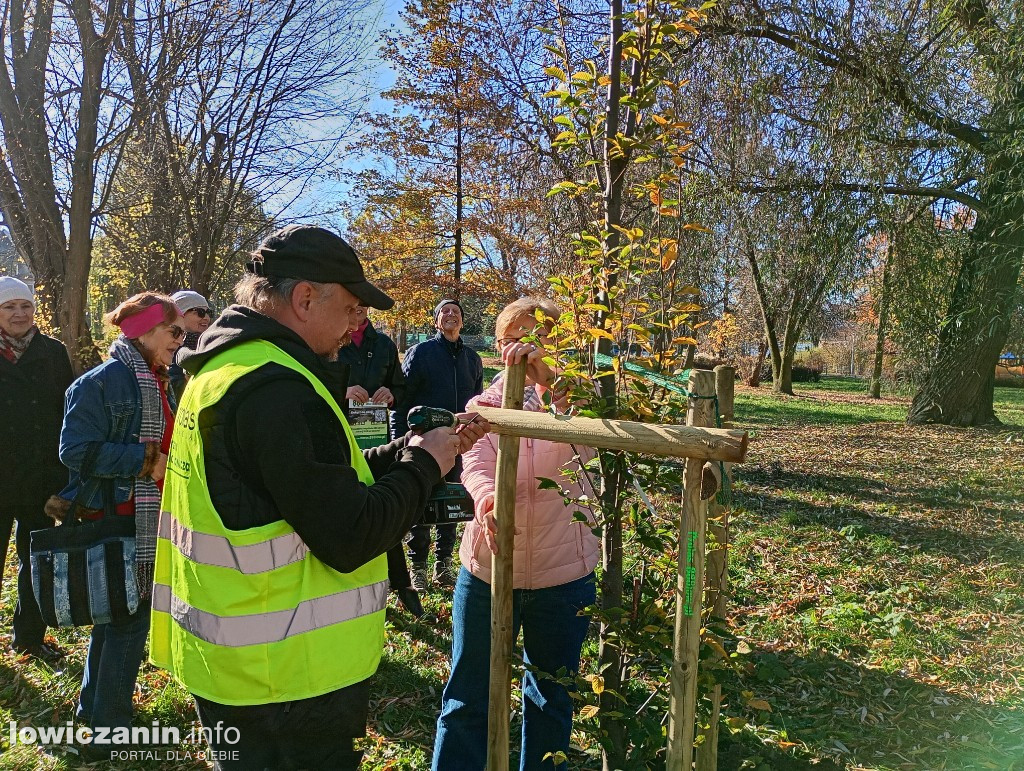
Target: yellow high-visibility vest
[(251, 616)]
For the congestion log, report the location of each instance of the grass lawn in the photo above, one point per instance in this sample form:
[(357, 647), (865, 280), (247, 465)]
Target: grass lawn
[(876, 569)]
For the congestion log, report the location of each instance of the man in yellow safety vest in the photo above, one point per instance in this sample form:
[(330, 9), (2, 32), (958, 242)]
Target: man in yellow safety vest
[(271, 579)]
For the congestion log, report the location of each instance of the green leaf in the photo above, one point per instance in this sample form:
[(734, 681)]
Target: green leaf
[(562, 187)]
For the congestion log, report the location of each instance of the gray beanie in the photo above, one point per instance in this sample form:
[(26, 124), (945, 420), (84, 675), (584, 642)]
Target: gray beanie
[(186, 300)]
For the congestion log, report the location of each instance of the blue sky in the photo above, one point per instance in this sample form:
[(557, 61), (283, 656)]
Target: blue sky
[(311, 205)]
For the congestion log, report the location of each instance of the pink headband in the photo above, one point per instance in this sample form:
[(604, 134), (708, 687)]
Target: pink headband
[(139, 324)]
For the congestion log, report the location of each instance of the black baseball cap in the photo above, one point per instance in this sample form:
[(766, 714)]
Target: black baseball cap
[(315, 254)]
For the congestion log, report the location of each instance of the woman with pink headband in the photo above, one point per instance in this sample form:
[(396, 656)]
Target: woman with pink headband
[(117, 425)]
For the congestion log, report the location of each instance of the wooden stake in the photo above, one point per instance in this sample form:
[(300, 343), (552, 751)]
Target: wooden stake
[(667, 440), (499, 708), (718, 514), (725, 388), (689, 589), (707, 752)]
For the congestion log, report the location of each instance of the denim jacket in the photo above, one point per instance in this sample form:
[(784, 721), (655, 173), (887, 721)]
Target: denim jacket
[(104, 405)]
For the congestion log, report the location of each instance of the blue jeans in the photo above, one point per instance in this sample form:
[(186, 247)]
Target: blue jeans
[(553, 635), (111, 669)]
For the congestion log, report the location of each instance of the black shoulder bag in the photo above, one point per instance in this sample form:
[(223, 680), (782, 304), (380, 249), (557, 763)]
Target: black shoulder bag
[(83, 572)]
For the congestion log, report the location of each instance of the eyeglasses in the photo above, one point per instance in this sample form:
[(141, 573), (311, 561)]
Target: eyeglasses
[(177, 331), (200, 312)]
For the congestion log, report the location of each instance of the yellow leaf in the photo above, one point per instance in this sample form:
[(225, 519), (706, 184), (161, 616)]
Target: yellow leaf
[(668, 257), (595, 332), (715, 645), (667, 211), (656, 197), (683, 341), (736, 723), (760, 704), (589, 711), (787, 745), (597, 683), (660, 120), (692, 226), (604, 80)]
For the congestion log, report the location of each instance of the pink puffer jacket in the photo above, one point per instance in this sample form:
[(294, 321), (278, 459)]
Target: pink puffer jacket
[(551, 549)]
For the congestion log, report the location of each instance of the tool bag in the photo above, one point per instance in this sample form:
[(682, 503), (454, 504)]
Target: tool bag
[(83, 572)]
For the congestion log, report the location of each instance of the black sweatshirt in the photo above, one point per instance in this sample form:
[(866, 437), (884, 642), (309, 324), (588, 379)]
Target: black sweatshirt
[(275, 450)]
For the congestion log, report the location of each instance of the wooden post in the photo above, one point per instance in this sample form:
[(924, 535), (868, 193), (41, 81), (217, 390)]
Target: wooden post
[(718, 514), (499, 709), (689, 588), (707, 752), (725, 388)]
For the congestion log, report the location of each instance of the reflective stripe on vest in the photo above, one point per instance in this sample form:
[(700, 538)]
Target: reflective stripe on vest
[(264, 628), (252, 616), (207, 549)]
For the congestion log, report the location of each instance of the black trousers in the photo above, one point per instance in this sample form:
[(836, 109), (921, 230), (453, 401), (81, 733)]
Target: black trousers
[(28, 623), (314, 733), (419, 542)]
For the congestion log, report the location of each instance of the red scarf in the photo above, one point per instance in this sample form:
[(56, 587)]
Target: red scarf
[(357, 336), (11, 348)]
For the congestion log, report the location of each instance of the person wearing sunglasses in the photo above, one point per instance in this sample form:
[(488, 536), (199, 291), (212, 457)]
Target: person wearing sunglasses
[(125, 408), (197, 314)]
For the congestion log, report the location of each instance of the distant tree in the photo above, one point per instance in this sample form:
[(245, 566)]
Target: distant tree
[(62, 130), (145, 243), (910, 99), (234, 132)]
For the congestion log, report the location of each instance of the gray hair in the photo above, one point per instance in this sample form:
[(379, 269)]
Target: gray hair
[(266, 294)]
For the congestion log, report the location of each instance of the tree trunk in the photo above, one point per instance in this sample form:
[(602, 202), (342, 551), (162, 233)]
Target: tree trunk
[(74, 331), (613, 750), (458, 184), (883, 316), (755, 376), (28, 190), (782, 372), (958, 390), (691, 354)]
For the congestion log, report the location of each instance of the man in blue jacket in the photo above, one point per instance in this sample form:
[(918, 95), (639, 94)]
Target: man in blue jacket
[(440, 372)]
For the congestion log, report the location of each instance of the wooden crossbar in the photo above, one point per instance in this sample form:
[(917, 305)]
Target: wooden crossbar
[(693, 442)]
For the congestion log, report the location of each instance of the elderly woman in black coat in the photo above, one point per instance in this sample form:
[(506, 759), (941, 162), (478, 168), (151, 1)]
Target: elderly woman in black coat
[(34, 373)]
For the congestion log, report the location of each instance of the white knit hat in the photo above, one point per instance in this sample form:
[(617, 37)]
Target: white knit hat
[(13, 289), (186, 300)]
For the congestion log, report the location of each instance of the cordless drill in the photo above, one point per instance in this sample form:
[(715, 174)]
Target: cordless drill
[(422, 419), (449, 502)]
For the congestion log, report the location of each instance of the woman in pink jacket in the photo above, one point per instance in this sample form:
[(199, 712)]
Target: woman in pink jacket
[(554, 562)]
